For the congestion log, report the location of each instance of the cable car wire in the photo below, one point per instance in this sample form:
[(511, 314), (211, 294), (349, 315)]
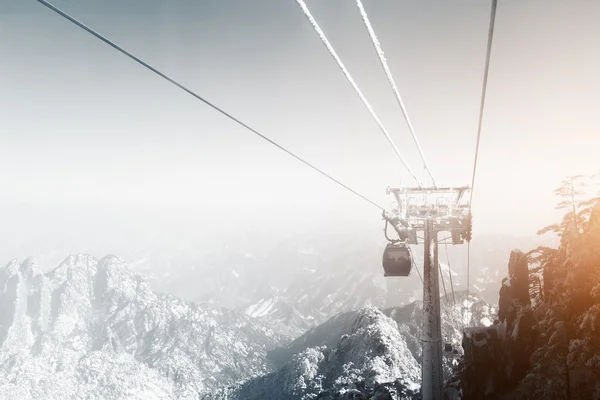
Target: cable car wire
[(182, 87), (339, 62), (450, 273), (483, 93), (392, 82), (414, 264), (443, 282), (445, 241), (481, 110)]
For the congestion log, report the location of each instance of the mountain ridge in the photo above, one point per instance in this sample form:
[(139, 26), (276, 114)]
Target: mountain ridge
[(86, 311)]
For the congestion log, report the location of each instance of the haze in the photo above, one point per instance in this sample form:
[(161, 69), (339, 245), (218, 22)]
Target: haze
[(94, 147)]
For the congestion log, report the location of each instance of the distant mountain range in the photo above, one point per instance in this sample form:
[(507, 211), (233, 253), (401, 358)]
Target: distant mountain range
[(94, 329), (299, 284), (299, 281)]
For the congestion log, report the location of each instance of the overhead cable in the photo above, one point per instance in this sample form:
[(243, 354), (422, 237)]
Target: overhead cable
[(185, 89), (481, 110), (339, 62), (450, 272), (443, 282), (483, 93), (392, 82)]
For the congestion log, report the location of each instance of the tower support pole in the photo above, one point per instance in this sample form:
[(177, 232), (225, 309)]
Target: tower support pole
[(432, 379)]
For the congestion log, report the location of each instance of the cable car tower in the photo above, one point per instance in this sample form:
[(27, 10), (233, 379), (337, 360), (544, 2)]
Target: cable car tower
[(431, 211)]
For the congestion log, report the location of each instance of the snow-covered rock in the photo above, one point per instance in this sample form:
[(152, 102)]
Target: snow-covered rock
[(94, 329), (409, 319), (372, 353)]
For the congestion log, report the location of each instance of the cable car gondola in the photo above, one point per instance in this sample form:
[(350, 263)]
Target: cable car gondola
[(397, 260)]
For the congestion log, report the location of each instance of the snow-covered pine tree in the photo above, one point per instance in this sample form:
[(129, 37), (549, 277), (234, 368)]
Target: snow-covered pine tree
[(567, 360)]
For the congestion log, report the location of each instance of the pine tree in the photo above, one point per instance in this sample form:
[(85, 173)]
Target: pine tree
[(569, 311)]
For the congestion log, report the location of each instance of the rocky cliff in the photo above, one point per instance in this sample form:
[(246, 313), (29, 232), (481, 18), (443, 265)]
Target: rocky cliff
[(545, 342), (497, 357), (372, 358), (93, 329)]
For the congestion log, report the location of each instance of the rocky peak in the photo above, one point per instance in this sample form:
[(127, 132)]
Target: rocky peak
[(497, 357), (94, 325), (372, 357), (514, 293)]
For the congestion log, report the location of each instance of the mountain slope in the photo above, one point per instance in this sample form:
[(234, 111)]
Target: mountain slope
[(372, 353), (94, 327), (408, 319), (363, 353)]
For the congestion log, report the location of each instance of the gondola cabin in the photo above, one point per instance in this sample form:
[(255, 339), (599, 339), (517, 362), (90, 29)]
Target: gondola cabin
[(396, 260)]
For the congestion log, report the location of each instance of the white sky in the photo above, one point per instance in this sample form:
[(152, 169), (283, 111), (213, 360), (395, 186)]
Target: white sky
[(84, 128)]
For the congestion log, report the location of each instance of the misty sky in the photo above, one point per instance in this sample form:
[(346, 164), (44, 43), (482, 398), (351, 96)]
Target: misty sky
[(91, 141)]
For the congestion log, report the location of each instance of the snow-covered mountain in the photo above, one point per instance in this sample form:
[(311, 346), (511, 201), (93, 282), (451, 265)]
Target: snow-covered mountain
[(373, 352), (301, 282), (356, 280), (409, 321), (363, 353), (293, 282), (283, 317), (94, 329)]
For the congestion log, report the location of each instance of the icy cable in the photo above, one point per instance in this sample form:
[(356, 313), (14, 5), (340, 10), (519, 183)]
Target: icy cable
[(481, 109), (339, 62), (390, 78), (483, 92)]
